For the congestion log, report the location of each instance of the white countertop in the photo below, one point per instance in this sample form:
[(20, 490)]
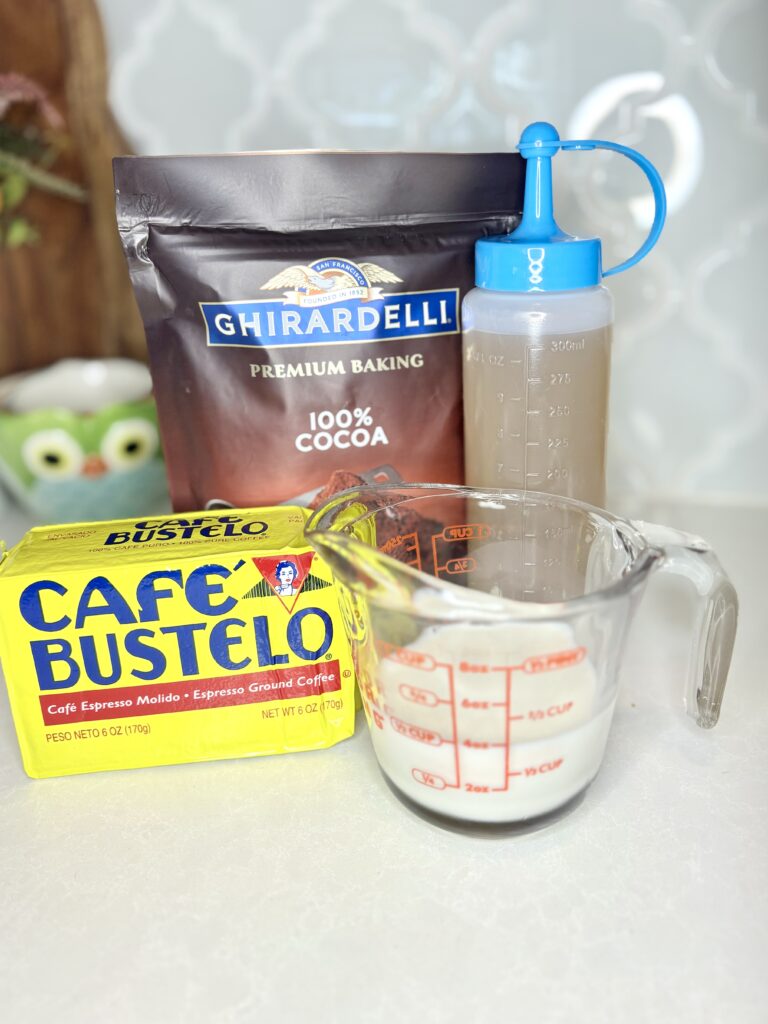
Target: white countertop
[(297, 888)]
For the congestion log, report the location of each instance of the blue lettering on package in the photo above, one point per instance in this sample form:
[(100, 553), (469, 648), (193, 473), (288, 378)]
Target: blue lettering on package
[(268, 322)]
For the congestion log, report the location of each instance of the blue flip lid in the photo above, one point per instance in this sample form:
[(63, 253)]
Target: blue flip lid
[(538, 256)]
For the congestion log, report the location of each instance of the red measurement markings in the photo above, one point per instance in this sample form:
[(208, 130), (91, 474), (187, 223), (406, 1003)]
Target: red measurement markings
[(406, 656), (553, 711), (507, 730), (404, 544), (551, 662), (430, 779), (465, 531), (426, 698), (367, 691), (540, 769), (455, 566), (417, 732), (448, 548), (454, 726), (545, 663)]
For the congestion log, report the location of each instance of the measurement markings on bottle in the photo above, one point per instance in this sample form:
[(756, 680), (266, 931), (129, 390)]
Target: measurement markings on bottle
[(566, 345)]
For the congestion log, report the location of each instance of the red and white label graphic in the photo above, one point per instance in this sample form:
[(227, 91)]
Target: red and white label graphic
[(286, 574), (191, 694)]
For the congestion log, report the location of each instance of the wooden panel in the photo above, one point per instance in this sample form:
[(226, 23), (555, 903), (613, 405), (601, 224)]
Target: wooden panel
[(69, 293)]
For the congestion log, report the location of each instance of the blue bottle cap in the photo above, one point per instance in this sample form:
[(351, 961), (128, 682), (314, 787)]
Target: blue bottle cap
[(538, 256)]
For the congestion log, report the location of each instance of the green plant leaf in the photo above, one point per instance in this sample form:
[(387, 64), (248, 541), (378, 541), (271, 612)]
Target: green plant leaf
[(14, 189), (20, 232), (39, 178)]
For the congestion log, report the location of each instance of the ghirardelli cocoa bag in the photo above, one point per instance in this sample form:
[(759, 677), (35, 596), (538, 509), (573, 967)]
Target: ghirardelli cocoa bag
[(302, 312)]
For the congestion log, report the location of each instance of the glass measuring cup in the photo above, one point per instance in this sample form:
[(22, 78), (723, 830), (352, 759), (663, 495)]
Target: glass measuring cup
[(487, 630)]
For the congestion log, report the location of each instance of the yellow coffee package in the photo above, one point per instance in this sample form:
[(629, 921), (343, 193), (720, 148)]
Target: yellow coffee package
[(144, 642)]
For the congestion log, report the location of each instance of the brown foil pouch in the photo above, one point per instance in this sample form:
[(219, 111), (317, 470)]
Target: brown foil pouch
[(302, 312)]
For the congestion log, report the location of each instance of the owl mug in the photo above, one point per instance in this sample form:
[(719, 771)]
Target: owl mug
[(79, 441)]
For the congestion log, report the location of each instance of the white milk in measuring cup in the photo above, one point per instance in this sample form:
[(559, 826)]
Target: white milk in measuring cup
[(488, 630), (489, 723)]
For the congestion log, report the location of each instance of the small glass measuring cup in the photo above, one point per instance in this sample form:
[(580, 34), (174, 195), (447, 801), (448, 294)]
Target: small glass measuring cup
[(488, 628)]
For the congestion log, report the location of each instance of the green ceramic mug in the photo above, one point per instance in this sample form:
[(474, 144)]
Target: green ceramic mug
[(79, 440)]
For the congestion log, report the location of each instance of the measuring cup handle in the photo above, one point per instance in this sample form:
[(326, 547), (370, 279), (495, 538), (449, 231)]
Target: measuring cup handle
[(715, 624)]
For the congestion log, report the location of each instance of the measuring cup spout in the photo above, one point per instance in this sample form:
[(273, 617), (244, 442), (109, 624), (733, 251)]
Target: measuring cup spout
[(385, 544), (344, 533), (352, 562), (345, 536)]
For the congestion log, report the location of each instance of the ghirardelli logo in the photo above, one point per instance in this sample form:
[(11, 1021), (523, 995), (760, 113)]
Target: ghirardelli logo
[(327, 301), (326, 281)]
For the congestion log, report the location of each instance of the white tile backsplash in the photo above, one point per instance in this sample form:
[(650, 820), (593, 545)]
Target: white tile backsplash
[(682, 80)]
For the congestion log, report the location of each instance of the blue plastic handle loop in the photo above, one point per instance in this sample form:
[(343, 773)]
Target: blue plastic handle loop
[(538, 255), (657, 186)]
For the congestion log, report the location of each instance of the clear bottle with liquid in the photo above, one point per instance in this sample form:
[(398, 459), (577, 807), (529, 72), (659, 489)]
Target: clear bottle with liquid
[(537, 342)]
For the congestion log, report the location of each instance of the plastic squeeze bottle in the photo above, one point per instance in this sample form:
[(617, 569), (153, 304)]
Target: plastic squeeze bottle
[(537, 341)]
